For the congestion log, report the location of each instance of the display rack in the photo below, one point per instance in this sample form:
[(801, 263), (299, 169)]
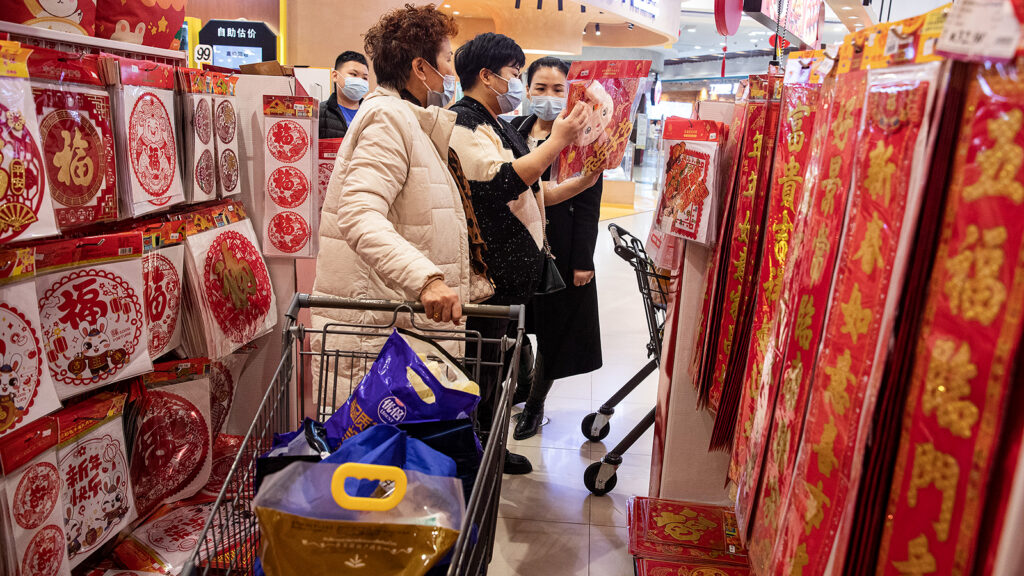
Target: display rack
[(32, 36)]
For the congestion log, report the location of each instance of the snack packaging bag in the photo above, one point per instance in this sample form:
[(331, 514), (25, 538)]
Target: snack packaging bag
[(611, 90), (402, 387)]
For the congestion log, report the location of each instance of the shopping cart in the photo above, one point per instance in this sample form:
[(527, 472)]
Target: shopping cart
[(230, 539), (600, 477)]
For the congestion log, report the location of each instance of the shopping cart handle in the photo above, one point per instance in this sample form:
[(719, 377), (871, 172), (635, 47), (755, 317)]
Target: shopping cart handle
[(622, 248), (315, 301)]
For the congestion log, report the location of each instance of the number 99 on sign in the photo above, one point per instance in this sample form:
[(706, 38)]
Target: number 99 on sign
[(203, 54)]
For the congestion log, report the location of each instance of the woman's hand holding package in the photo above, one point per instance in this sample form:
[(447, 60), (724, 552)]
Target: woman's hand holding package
[(568, 125), (441, 303)]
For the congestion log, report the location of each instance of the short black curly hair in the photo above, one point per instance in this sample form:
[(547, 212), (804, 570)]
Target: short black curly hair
[(349, 56), (488, 51), (401, 36)]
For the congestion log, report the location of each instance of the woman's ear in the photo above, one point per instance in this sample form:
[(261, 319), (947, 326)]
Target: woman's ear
[(419, 69)]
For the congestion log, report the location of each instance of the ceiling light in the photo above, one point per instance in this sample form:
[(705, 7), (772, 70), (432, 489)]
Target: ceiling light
[(696, 47), (455, 12), (847, 8), (630, 25), (597, 29), (447, 5)]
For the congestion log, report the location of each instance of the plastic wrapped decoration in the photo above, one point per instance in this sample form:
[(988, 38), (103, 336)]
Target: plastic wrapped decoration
[(200, 163), (26, 210), (327, 155), (77, 135), (92, 315), (149, 175), (226, 126), (232, 300), (34, 499), (611, 91), (26, 389), (164, 281), (172, 456), (669, 530), (290, 201), (688, 205), (97, 500)]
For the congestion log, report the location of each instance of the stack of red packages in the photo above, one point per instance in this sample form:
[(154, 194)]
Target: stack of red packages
[(669, 537)]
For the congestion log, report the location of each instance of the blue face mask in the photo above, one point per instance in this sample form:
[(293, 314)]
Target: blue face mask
[(355, 88), (512, 97), (547, 108)]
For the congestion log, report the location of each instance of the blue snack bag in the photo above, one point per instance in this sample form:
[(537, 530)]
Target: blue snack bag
[(401, 388)]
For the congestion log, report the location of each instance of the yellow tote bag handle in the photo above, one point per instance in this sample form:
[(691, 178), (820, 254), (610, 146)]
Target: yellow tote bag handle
[(368, 472)]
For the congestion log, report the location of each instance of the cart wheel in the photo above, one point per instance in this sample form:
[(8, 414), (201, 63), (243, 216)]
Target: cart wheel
[(588, 426), (590, 480)]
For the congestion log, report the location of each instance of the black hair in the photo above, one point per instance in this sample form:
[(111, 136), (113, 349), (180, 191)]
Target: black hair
[(547, 62), (488, 51), (350, 56)]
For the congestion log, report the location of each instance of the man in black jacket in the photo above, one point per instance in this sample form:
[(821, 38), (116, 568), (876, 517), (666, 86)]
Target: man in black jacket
[(351, 82)]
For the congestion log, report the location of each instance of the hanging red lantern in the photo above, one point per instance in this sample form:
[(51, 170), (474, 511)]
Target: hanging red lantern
[(727, 16), (775, 38), (724, 50)]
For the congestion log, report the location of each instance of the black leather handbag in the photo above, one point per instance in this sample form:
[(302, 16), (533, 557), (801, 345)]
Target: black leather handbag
[(550, 278)]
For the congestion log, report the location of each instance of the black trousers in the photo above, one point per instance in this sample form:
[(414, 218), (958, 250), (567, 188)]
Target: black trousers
[(490, 376)]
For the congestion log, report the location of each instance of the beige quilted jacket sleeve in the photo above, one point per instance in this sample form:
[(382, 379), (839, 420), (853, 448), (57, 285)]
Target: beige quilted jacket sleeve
[(375, 176)]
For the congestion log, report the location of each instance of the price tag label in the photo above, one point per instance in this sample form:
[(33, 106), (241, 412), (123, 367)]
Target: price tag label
[(203, 54), (980, 30)]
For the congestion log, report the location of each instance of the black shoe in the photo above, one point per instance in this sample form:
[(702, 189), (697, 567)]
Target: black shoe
[(522, 393), (529, 423), (516, 464)]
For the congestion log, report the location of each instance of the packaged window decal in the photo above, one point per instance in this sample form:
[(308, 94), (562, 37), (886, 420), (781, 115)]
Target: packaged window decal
[(228, 165), (611, 90), (291, 202), (688, 205), (163, 272)]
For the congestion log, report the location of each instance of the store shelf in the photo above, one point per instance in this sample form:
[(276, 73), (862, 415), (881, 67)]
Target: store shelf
[(86, 44)]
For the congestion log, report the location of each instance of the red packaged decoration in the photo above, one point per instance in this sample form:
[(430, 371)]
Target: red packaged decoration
[(225, 450), (153, 23), (97, 494), (26, 389), (683, 532), (201, 185), (77, 137), (226, 150), (328, 154), (611, 91), (291, 202), (26, 211), (33, 490), (224, 374), (94, 325), (71, 16), (688, 205), (173, 448), (162, 270), (645, 567)]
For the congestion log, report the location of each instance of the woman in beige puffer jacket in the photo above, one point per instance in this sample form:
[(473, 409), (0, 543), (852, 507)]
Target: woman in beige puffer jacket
[(393, 225)]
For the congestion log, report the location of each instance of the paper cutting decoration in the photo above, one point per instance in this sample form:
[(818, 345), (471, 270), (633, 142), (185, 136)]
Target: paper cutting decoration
[(288, 187), (226, 121), (204, 173), (287, 141), (288, 232), (228, 172), (34, 500), (162, 270), (237, 285), (225, 450), (173, 448), (155, 180), (26, 211), (78, 151), (223, 376), (93, 325), (97, 496), (328, 154), (26, 390), (203, 120)]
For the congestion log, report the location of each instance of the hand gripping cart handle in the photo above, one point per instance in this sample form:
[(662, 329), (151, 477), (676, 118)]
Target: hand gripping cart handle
[(230, 538), (600, 477)]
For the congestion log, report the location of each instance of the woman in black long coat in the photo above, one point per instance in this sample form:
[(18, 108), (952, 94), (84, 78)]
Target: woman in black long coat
[(566, 322)]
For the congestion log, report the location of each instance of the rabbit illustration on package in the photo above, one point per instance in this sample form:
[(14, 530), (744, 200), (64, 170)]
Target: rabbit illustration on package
[(96, 355)]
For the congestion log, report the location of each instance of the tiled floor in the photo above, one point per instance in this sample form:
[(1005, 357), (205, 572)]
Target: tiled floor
[(549, 523)]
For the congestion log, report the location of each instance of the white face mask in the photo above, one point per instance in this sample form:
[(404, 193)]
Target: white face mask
[(355, 88), (547, 108), (441, 99), (512, 97)]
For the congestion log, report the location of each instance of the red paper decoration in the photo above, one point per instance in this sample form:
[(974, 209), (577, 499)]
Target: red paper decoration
[(288, 232), (237, 286), (287, 141), (228, 166), (45, 553), (152, 146), (203, 120), (163, 300), (226, 121), (288, 187), (36, 495), (22, 180)]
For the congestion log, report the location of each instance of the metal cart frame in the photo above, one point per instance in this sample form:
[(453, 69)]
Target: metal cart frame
[(229, 542), (600, 477)]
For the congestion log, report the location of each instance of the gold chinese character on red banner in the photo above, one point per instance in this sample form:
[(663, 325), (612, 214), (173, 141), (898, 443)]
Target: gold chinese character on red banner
[(795, 141), (73, 161), (817, 500), (1000, 163), (973, 286), (744, 229), (826, 448), (947, 387), (804, 316), (831, 185), (756, 151), (840, 377), (856, 319), (919, 560), (821, 247), (934, 468), (791, 181), (870, 251), (791, 379), (686, 526), (843, 123), (880, 170), (740, 263)]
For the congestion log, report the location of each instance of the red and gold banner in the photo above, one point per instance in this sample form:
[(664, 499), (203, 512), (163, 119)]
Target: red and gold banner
[(801, 316), (970, 335), (750, 170), (882, 216), (799, 110)]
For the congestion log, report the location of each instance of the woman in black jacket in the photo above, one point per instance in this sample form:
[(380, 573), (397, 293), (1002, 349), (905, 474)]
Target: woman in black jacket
[(566, 322)]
